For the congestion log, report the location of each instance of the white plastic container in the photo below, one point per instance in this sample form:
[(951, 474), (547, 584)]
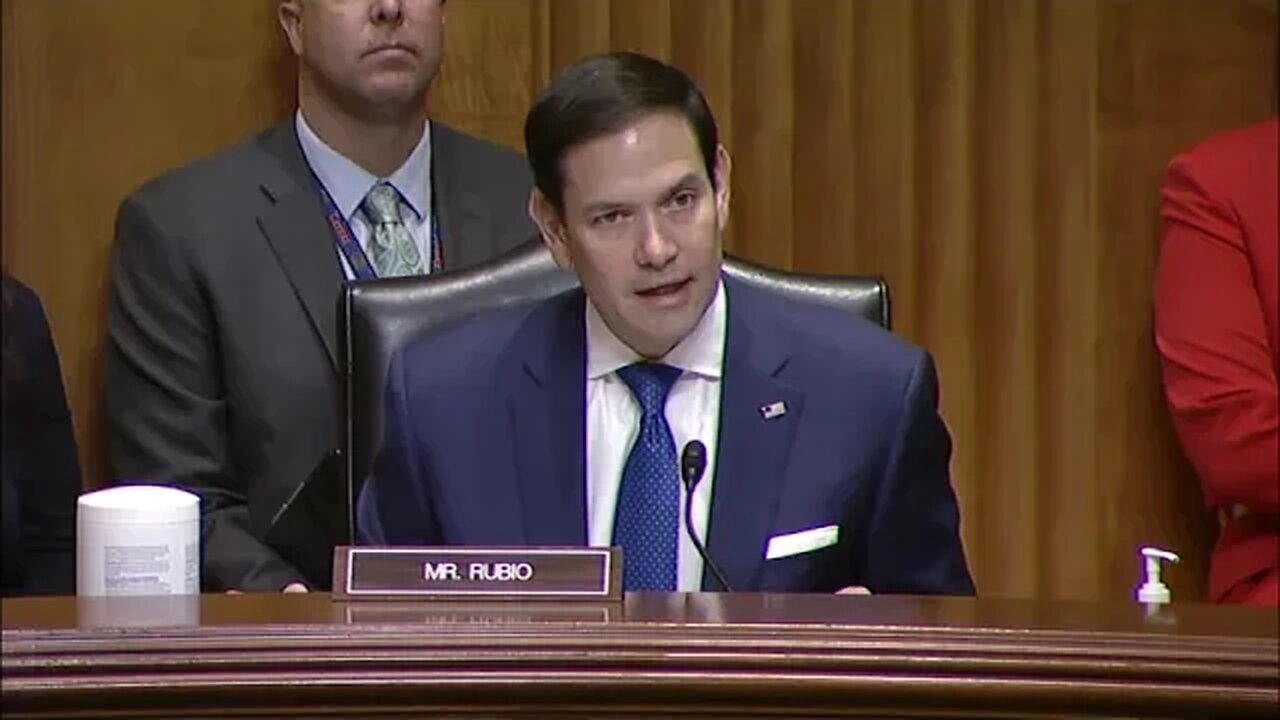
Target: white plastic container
[(138, 540)]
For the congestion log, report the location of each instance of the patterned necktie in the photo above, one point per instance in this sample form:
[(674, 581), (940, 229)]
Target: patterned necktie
[(391, 247), (647, 519)]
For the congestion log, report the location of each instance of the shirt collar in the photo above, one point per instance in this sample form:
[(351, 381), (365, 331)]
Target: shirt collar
[(347, 183), (700, 352)]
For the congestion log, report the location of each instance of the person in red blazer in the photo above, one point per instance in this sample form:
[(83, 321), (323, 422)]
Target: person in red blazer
[(1217, 329)]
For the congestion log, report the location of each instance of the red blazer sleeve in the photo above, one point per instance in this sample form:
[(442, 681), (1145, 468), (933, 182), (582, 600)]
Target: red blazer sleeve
[(1211, 332)]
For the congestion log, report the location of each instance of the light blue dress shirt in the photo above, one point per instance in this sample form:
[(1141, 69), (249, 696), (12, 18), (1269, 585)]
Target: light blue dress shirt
[(347, 183)]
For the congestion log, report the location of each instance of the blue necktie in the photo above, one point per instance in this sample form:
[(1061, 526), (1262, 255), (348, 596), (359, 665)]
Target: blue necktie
[(647, 519)]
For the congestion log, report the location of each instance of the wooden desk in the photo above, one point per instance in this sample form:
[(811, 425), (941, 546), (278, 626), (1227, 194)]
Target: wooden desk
[(656, 655)]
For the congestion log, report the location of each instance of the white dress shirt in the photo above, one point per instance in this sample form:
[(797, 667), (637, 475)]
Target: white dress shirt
[(613, 420), (348, 183)]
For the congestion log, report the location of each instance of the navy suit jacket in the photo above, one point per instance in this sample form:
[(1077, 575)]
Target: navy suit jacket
[(39, 467), (485, 426)]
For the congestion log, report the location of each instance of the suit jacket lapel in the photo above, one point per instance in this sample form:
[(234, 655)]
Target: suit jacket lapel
[(548, 423), (295, 226), (465, 227), (752, 450)]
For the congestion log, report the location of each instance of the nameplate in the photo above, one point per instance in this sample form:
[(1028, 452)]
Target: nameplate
[(477, 573)]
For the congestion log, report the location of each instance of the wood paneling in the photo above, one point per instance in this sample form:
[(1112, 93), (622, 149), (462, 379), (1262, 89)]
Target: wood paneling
[(99, 96), (997, 160)]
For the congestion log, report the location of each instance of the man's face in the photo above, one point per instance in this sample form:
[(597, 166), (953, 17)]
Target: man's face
[(373, 58), (641, 227)]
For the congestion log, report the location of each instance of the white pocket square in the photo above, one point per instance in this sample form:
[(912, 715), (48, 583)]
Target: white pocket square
[(781, 546)]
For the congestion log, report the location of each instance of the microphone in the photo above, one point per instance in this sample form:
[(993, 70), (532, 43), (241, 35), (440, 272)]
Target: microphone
[(693, 462)]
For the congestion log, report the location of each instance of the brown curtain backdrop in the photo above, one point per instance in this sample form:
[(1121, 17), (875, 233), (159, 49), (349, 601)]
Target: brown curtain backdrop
[(998, 161)]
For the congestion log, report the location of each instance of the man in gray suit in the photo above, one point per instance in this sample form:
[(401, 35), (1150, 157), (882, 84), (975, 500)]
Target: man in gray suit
[(221, 369)]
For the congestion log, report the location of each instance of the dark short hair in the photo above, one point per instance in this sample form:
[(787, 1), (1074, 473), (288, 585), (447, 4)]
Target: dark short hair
[(603, 94)]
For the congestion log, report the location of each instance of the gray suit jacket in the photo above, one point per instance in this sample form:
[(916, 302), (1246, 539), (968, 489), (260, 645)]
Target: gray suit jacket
[(221, 369)]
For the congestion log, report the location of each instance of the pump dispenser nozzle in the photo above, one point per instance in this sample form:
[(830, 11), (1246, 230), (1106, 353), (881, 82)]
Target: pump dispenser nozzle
[(1153, 590)]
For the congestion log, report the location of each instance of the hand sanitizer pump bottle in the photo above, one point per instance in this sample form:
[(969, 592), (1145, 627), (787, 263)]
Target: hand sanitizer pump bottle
[(1153, 590)]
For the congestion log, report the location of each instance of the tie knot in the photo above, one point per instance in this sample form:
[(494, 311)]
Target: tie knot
[(382, 204), (650, 382)]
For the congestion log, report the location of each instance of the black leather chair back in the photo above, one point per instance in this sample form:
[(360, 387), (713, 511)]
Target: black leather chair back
[(377, 317)]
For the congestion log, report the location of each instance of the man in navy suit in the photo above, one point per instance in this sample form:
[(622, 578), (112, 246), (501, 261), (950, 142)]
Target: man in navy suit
[(559, 423)]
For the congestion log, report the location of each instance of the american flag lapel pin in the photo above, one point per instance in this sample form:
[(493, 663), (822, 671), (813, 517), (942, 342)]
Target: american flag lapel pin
[(773, 410)]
